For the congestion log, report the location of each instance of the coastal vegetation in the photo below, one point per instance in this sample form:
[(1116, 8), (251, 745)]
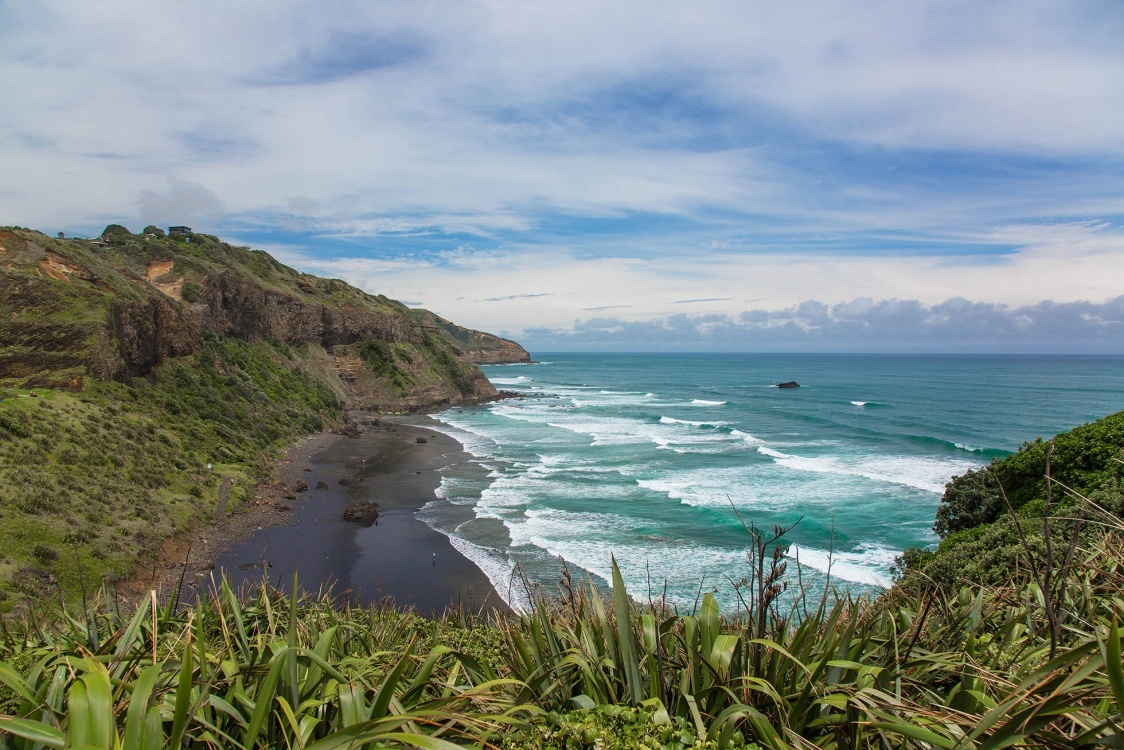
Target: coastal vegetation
[(147, 382), (1024, 658), (1031, 511), (967, 668)]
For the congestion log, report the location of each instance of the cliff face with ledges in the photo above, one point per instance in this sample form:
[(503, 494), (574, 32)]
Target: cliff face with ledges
[(476, 346), (74, 311)]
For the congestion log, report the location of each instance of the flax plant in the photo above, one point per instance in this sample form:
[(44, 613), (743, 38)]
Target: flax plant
[(984, 667)]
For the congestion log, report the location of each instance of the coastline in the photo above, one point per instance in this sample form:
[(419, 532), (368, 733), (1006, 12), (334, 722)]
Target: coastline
[(396, 558)]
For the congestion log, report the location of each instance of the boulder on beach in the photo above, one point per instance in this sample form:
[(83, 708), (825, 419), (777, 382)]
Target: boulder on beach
[(422, 440), (364, 512), (788, 384), (345, 482), (321, 485), (301, 486), (351, 430)]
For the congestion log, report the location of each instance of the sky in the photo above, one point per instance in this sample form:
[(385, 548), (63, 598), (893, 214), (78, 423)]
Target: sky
[(609, 176)]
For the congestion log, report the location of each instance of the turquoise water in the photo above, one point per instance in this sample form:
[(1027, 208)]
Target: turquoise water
[(645, 457)]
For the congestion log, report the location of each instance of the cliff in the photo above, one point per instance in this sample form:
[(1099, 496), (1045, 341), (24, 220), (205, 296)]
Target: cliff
[(475, 346), (125, 305)]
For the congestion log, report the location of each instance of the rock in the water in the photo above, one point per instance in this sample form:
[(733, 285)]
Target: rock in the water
[(345, 482), (788, 384), (321, 485), (363, 512)]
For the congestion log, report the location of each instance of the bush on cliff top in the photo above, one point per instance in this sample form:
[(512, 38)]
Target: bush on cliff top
[(981, 539)]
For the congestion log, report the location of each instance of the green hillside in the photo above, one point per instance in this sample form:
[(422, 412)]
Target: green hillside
[(140, 374)]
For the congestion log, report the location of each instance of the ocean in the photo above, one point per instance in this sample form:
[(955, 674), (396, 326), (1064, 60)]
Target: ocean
[(645, 458)]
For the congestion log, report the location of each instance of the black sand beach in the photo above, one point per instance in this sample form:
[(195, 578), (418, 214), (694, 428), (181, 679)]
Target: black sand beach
[(397, 556)]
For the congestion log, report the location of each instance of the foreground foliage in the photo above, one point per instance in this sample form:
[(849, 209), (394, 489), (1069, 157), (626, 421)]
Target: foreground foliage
[(972, 669)]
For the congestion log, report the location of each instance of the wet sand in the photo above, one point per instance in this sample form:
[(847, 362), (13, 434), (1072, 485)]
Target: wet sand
[(398, 556)]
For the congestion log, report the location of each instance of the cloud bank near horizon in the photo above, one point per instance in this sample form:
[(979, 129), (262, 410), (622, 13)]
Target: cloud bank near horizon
[(860, 325), (519, 167)]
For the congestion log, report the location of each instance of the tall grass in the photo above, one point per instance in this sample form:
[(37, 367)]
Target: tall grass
[(926, 669)]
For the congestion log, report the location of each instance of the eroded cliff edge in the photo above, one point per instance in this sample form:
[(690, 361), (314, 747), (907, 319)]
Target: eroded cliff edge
[(124, 305)]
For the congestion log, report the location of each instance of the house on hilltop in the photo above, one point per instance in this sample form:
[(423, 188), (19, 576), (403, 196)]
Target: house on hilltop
[(179, 230)]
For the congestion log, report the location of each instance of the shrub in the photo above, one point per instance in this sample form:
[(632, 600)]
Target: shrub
[(612, 727)]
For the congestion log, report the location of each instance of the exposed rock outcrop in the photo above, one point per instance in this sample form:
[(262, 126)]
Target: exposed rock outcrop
[(70, 311), (476, 347)]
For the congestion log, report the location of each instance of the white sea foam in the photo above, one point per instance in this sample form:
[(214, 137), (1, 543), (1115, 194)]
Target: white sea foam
[(766, 451), (591, 540), (745, 437), (920, 472), (498, 568), (520, 380), (704, 402), (860, 403), (474, 443), (868, 565), (716, 488), (713, 424)]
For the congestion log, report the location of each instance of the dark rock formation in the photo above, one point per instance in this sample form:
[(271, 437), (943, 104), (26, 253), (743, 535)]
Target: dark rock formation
[(363, 512), (788, 384), (351, 430)]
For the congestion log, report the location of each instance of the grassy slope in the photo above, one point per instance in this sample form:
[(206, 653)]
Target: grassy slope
[(94, 473), (103, 475)]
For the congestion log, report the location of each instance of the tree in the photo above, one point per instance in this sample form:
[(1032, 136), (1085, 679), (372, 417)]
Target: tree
[(969, 500)]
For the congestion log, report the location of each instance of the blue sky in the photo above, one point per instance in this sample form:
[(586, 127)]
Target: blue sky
[(746, 176)]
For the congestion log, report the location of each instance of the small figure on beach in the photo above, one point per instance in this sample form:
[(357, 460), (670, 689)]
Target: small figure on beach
[(435, 559)]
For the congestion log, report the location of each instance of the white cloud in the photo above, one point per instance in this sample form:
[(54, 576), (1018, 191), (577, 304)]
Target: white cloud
[(610, 156), (1072, 263), (183, 202), (860, 325)]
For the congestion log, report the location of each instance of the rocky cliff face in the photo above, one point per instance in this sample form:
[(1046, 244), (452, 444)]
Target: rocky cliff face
[(476, 347), (72, 310)]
